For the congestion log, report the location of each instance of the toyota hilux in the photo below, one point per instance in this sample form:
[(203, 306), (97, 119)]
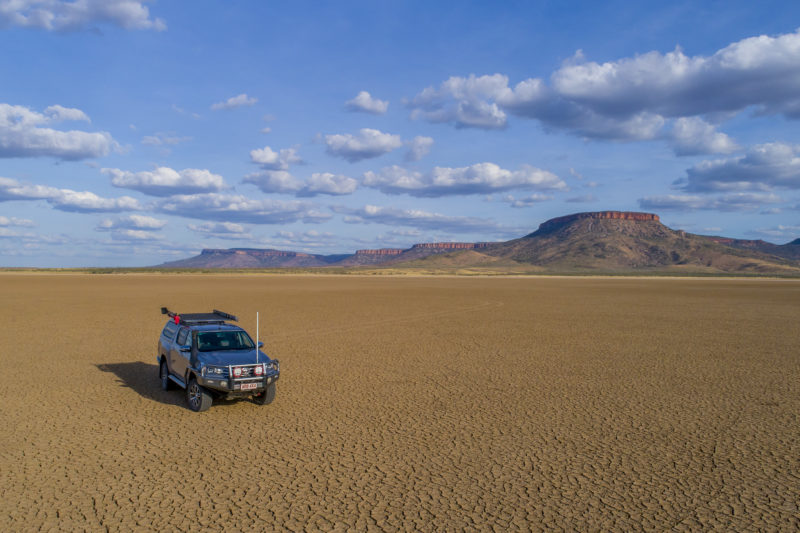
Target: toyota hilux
[(211, 358)]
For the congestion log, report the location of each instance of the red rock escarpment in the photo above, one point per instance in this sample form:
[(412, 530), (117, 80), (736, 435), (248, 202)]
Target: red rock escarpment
[(598, 215), (381, 251), (451, 245)]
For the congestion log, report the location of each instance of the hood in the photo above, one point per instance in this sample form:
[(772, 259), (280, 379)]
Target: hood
[(233, 357)]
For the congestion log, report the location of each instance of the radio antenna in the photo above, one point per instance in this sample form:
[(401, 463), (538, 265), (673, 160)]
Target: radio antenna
[(256, 337)]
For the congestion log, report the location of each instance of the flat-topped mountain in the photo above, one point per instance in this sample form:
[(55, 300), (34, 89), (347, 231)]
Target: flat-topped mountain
[(629, 241), (371, 257), (602, 241), (555, 223), (450, 245), (253, 258)]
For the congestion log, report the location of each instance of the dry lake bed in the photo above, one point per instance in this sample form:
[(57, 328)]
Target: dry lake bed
[(407, 403)]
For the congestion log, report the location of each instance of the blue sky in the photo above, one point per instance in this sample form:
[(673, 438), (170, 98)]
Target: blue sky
[(133, 133)]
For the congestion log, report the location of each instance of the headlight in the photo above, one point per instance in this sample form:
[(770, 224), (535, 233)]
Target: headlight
[(214, 370)]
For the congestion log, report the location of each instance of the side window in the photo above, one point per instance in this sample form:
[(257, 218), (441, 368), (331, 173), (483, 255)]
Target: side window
[(169, 330), (182, 336)]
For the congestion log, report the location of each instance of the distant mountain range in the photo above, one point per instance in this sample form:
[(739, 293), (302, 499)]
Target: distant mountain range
[(603, 241)]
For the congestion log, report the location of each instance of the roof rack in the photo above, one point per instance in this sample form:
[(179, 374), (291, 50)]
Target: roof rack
[(214, 317)]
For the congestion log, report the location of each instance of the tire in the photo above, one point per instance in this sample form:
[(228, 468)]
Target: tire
[(197, 397), (266, 397), (163, 374)]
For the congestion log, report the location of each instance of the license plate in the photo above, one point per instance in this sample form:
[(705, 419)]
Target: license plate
[(249, 386)]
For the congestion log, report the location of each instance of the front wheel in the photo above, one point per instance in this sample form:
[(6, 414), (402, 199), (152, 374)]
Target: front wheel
[(163, 374), (266, 396), (197, 396)]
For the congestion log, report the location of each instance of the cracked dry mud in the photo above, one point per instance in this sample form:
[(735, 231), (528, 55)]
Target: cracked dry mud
[(407, 404)]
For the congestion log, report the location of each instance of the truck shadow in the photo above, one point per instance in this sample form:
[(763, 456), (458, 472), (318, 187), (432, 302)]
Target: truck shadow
[(143, 379)]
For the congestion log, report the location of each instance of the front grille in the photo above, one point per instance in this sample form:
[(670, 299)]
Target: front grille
[(248, 372)]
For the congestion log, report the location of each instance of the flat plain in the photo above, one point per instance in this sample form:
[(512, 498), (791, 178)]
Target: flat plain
[(407, 403)]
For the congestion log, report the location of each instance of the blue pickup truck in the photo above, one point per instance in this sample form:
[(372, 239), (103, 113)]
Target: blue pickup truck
[(213, 359)]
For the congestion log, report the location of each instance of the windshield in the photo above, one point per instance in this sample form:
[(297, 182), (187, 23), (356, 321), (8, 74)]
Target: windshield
[(212, 341)]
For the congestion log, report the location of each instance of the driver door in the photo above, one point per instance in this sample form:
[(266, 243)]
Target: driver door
[(179, 361)]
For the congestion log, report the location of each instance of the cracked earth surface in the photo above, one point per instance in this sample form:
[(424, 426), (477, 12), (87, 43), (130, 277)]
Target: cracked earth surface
[(427, 404)]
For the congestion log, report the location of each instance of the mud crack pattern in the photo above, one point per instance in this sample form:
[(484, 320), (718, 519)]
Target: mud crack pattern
[(427, 404)]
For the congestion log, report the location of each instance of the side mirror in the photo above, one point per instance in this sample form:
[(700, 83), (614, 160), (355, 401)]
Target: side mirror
[(260, 344), (186, 348)]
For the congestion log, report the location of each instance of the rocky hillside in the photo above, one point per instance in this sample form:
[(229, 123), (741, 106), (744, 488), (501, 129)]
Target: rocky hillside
[(391, 256), (789, 250)]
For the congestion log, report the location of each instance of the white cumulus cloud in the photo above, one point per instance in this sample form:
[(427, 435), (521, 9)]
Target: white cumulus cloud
[(634, 98), (368, 143), (695, 136), (241, 209), (63, 15), (23, 133), (274, 181), (18, 222), (221, 230), (760, 70), (134, 235), (418, 147), (328, 183), (132, 228), (66, 199), (280, 181), (480, 178), (241, 100), (59, 113), (727, 202), (366, 103), (85, 202), (762, 167), (463, 102), (272, 160), (165, 181), (135, 222)]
